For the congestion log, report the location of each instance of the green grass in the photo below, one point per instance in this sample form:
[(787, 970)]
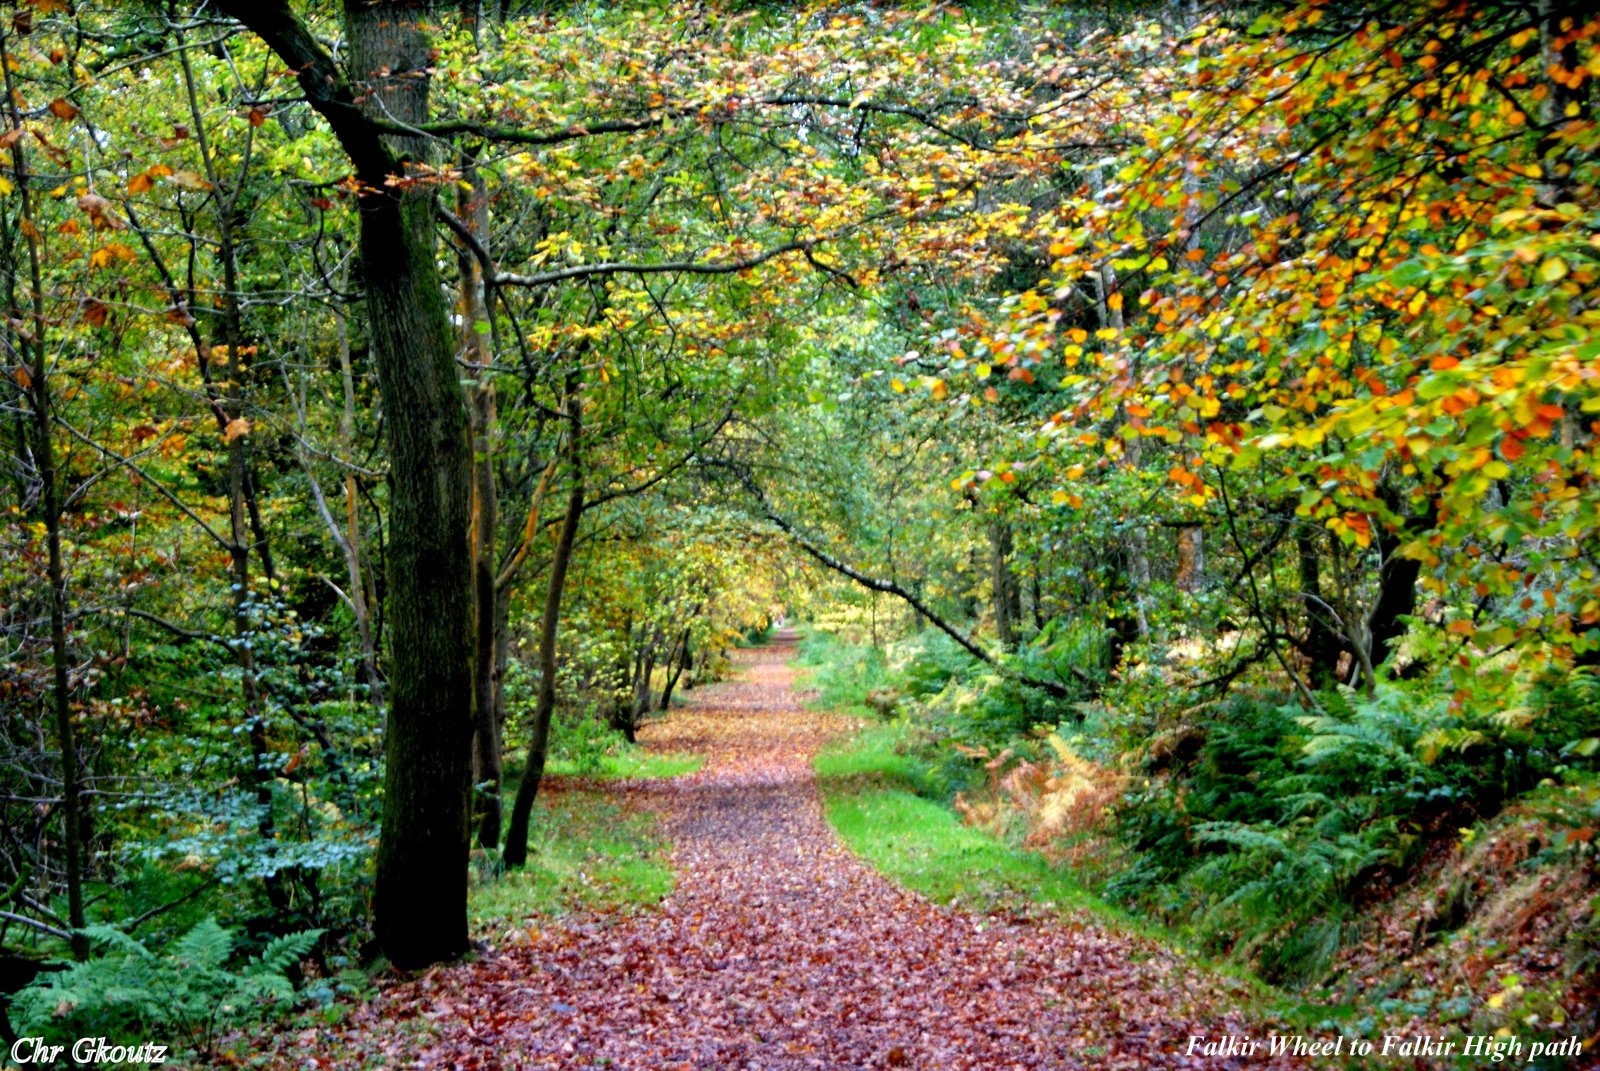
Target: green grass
[(632, 763), (870, 794), (584, 854)]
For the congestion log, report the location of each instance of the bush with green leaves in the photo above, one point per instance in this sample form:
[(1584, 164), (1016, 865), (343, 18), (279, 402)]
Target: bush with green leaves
[(189, 991)]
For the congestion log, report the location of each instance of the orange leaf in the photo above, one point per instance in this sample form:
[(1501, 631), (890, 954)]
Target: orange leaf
[(62, 108), (111, 251)]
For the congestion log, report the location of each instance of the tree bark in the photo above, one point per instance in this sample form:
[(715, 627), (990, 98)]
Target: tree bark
[(420, 898), (420, 892)]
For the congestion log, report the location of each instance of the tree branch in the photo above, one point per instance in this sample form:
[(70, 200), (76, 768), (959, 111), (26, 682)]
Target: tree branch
[(681, 267), (889, 587)]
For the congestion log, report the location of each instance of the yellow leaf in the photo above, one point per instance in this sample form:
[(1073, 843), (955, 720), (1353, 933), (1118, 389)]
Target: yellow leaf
[(1553, 270), (983, 371)]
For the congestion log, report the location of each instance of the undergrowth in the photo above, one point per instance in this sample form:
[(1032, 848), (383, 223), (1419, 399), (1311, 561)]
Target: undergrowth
[(585, 853), (1283, 836), (874, 794)]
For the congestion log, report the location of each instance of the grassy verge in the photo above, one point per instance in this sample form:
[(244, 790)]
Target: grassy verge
[(633, 763), (871, 795), (870, 792), (585, 853)]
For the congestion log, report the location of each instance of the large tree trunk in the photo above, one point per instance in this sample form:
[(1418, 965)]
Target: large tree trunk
[(420, 894), (516, 848), (420, 898)]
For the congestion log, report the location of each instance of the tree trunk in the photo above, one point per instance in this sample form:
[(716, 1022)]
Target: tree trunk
[(1007, 591), (360, 604), (420, 896), (235, 435), (1191, 559), (38, 391), (1324, 645), (1397, 588), (516, 848), (677, 662), (474, 210), (686, 663), (420, 890), (1136, 543)]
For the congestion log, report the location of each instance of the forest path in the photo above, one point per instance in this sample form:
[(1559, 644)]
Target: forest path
[(779, 949)]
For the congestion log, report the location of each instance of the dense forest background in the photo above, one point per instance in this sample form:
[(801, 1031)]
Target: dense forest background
[(1177, 421)]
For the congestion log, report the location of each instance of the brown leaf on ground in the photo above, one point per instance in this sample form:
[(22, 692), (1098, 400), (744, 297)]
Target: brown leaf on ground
[(779, 949)]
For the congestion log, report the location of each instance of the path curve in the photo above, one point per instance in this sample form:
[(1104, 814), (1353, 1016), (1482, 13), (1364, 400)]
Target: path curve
[(780, 950)]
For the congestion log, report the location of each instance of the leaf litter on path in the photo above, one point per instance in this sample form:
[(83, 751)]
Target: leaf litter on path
[(781, 950)]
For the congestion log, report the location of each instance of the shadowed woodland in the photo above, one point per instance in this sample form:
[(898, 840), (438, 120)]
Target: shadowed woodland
[(826, 535)]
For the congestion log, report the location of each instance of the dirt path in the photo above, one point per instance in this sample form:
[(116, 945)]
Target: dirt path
[(780, 950)]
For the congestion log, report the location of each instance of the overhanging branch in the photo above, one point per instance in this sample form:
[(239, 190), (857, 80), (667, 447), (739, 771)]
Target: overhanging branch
[(874, 583)]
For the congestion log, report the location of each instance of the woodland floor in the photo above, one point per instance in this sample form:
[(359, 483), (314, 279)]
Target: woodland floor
[(779, 949)]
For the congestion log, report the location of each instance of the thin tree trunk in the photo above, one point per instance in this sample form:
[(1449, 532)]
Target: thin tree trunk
[(1191, 559), (1007, 593), (677, 662), (360, 605), (516, 847), (1397, 589), (38, 389), (1108, 302), (235, 434), (487, 769)]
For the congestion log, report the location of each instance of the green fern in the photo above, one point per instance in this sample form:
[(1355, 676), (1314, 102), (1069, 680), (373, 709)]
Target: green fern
[(188, 989)]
